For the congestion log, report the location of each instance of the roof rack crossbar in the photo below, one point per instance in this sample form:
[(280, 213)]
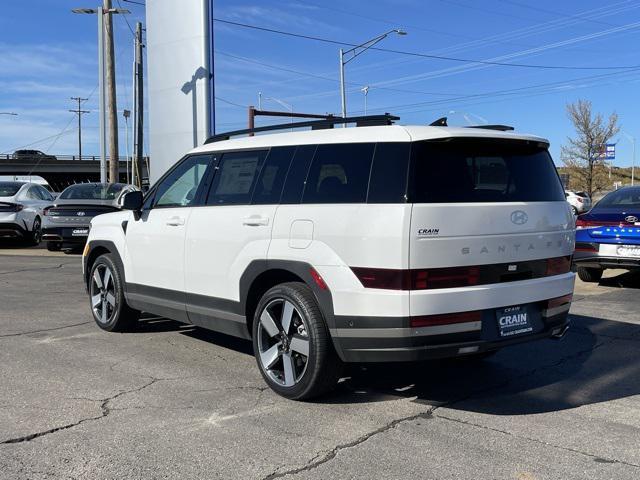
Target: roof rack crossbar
[(360, 121)]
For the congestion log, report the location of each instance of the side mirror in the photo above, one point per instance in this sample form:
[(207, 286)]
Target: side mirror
[(132, 201)]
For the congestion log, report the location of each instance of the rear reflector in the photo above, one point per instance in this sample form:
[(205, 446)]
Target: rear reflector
[(582, 223), (318, 279), (556, 302), (446, 319), (558, 265)]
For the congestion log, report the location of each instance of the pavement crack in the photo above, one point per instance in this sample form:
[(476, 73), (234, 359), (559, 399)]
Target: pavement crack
[(44, 330), (325, 457), (596, 458), (105, 410), (35, 269)]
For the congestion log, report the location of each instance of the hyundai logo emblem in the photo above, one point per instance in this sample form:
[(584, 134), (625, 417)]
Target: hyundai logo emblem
[(519, 217), (80, 214), (631, 219)]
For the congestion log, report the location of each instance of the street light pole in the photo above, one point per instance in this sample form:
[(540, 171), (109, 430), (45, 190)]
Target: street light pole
[(354, 52)]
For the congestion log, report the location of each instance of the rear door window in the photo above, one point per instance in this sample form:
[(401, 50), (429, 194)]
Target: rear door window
[(388, 182), (483, 170), (339, 174), (271, 179)]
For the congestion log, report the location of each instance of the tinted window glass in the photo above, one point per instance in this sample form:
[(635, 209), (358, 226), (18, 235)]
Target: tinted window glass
[(32, 194), (92, 191), (625, 198), (339, 174), (180, 187), (477, 170), (9, 189), (269, 185), (388, 183), (235, 178), (44, 194), (294, 184)]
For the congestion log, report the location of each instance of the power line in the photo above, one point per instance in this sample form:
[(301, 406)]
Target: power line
[(553, 12), (426, 55), (125, 18)]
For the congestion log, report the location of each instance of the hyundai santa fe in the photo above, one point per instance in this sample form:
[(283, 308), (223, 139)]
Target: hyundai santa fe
[(370, 244)]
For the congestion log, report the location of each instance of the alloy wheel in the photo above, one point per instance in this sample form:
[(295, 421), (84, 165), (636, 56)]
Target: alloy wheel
[(103, 294), (283, 342), (37, 231)]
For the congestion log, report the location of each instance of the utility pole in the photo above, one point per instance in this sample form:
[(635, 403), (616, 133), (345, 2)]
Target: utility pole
[(79, 112), (112, 109), (138, 119)]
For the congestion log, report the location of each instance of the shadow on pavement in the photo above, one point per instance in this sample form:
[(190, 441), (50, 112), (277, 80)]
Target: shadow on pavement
[(629, 279), (541, 376)]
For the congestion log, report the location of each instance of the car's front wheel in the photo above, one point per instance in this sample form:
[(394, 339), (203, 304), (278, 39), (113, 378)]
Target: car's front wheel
[(590, 274), (292, 343), (106, 295)]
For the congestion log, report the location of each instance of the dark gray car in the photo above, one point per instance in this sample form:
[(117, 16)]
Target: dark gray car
[(66, 223)]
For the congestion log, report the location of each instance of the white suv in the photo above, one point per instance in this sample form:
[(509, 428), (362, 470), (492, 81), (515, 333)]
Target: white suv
[(368, 244)]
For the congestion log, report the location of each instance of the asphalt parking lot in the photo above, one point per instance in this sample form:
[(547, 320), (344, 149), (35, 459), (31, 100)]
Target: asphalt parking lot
[(172, 401)]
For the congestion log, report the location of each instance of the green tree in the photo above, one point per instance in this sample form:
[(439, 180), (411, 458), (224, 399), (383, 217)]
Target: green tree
[(583, 156)]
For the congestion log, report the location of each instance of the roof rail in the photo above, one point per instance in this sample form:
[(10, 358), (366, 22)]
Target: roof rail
[(502, 128), (361, 121), (442, 122)]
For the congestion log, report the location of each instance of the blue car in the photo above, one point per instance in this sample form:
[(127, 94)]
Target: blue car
[(608, 236)]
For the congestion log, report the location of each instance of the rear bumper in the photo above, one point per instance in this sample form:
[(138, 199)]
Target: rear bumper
[(63, 235), (12, 230), (403, 344)]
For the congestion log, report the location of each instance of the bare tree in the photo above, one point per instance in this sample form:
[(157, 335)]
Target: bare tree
[(584, 155)]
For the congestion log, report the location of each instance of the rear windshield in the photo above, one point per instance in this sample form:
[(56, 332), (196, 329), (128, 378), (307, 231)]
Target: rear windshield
[(479, 170), (9, 189), (628, 197), (92, 191)]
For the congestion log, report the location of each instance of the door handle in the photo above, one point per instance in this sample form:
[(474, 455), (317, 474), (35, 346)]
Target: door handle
[(175, 221), (255, 221)]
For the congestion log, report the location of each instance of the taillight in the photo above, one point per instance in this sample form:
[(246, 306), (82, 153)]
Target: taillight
[(19, 207), (444, 277), (45, 211), (580, 200), (421, 279), (446, 319), (581, 223), (558, 265), (556, 302)]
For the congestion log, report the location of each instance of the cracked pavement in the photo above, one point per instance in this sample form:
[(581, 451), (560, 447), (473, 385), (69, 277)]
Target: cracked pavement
[(173, 401)]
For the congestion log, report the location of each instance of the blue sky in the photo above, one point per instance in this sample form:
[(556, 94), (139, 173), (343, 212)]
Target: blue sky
[(48, 54)]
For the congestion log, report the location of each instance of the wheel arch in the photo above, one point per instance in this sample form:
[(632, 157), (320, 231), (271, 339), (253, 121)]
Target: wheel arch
[(97, 248), (260, 276)]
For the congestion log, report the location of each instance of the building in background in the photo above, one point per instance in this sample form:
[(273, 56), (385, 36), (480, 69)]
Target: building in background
[(180, 87)]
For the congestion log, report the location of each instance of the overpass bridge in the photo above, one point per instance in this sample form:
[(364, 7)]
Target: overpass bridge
[(60, 171)]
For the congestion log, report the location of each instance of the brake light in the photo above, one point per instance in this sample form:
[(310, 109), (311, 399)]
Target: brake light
[(586, 247), (45, 211), (556, 302), (385, 278), (444, 277), (558, 265), (581, 223), (446, 319), (580, 200)]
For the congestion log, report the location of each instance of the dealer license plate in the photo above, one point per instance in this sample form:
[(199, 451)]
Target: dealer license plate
[(628, 251), (80, 232), (513, 321)]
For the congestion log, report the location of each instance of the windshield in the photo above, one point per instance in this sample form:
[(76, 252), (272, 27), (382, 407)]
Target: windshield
[(625, 198), (9, 189), (480, 170), (92, 191)]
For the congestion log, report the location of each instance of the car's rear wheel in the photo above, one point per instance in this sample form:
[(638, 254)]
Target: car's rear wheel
[(292, 343), (54, 246), (574, 210), (106, 296), (589, 274), (35, 236)]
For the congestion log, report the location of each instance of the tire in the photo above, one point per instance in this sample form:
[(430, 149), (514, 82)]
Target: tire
[(35, 235), (590, 274), (574, 210), (106, 297), (280, 350), (54, 246)]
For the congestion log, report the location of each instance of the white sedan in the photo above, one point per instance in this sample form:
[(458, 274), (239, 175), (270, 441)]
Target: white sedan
[(21, 205)]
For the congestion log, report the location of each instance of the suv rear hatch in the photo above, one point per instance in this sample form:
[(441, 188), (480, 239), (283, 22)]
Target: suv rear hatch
[(486, 211)]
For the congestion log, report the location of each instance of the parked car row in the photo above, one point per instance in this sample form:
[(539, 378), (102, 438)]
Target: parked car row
[(30, 214)]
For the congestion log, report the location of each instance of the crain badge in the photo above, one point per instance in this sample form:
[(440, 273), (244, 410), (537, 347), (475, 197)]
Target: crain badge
[(428, 232)]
